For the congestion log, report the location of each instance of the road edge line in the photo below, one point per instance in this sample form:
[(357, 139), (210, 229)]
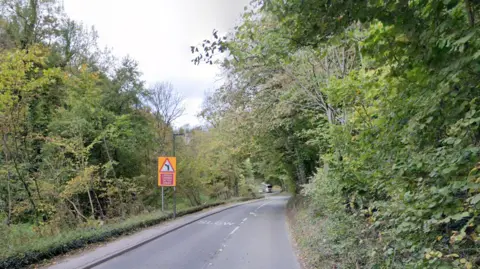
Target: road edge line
[(146, 241)]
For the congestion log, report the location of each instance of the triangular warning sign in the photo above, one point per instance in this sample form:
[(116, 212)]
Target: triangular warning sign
[(167, 167)]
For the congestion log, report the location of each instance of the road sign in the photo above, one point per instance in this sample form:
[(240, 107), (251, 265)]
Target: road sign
[(167, 171), (167, 166)]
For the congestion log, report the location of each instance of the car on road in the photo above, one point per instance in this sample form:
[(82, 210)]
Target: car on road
[(268, 188)]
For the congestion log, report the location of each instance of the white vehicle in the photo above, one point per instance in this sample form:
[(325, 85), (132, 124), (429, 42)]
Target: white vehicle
[(268, 188)]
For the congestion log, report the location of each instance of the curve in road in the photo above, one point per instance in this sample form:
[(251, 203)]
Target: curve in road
[(249, 236)]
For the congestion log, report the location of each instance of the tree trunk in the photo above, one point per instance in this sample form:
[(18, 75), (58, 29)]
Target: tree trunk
[(470, 12), (30, 23), (9, 217), (300, 168), (196, 197), (235, 187), (27, 189), (19, 174), (37, 188), (76, 209), (29, 159), (192, 201), (7, 159), (100, 209), (122, 204), (91, 203), (109, 157)]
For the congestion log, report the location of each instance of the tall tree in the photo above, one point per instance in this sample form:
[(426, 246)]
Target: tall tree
[(167, 103)]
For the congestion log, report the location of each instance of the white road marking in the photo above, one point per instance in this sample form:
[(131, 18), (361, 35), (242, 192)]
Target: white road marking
[(234, 230), (217, 223), (262, 205)]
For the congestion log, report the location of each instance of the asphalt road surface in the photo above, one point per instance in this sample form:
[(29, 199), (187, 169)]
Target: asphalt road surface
[(249, 236)]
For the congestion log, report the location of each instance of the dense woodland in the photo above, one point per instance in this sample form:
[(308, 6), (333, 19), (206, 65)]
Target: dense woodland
[(81, 132), (368, 109)]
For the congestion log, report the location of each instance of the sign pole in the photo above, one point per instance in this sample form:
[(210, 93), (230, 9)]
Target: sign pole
[(174, 203), (167, 176), (174, 189)]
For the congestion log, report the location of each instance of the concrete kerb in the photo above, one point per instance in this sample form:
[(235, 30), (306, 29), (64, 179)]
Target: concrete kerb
[(148, 240)]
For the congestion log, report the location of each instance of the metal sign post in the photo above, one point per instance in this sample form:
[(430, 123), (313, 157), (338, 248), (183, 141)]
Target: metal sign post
[(167, 175), (174, 203)]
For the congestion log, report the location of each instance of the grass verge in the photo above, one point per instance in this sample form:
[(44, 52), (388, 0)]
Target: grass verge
[(44, 248), (326, 239)]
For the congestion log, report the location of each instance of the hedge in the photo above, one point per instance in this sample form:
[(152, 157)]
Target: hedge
[(53, 249)]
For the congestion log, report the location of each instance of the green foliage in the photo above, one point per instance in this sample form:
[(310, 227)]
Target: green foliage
[(80, 135), (30, 248), (374, 104), (328, 238)]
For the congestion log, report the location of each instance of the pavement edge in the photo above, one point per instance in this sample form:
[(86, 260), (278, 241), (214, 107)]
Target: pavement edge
[(146, 241)]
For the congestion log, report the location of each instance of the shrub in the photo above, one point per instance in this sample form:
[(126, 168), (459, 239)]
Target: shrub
[(48, 247)]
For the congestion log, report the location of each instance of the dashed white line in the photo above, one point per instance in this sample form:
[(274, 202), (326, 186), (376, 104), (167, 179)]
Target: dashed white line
[(234, 230), (262, 205), (218, 223)]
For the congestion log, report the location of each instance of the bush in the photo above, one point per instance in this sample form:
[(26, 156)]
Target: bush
[(331, 239), (48, 247)]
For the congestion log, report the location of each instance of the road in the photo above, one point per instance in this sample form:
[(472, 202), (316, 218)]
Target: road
[(249, 236)]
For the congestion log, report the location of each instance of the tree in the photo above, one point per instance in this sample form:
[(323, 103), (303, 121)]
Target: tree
[(369, 108), (20, 86), (167, 104), (31, 21), (77, 129)]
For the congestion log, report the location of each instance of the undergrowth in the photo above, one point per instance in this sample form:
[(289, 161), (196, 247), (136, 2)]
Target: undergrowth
[(330, 239), (24, 245)]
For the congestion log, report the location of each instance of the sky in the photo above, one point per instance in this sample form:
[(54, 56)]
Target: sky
[(158, 34)]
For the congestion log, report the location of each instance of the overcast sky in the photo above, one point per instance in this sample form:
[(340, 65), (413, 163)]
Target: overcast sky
[(158, 34)]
